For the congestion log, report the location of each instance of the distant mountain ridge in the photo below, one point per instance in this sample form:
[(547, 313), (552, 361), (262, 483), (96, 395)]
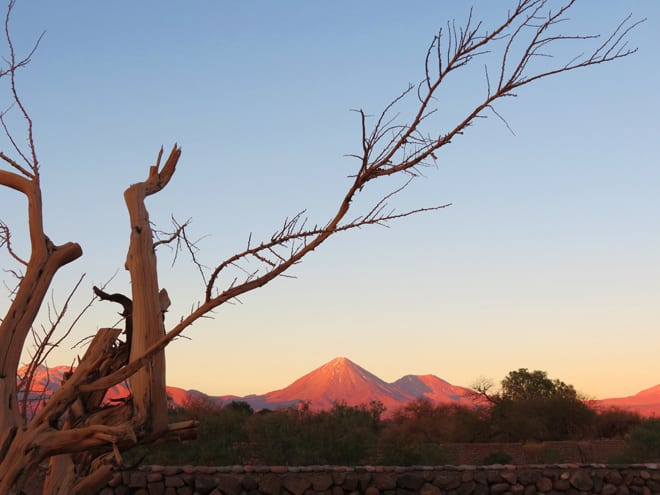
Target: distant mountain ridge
[(433, 388), (646, 402), (342, 381)]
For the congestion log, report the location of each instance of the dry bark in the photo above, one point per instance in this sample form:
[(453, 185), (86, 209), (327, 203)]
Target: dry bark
[(148, 383)]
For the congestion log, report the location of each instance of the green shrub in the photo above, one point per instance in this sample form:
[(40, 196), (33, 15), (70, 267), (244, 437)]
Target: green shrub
[(615, 423), (644, 442)]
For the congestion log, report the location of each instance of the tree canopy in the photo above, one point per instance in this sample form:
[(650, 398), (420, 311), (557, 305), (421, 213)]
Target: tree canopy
[(523, 384)]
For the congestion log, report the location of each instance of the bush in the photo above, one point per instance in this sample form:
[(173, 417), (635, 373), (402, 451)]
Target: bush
[(417, 434), (615, 423), (344, 435), (541, 419), (275, 436), (644, 442)]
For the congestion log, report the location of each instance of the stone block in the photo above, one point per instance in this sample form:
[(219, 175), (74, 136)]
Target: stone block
[(622, 490), (466, 488), (509, 476), (544, 484), (384, 481), (152, 477), (296, 484), (204, 484), (581, 480), (229, 485), (171, 470), (350, 483), (608, 489), (137, 479), (448, 481), (410, 481), (321, 481), (249, 483), (270, 484), (499, 487), (174, 481), (156, 488), (429, 489)]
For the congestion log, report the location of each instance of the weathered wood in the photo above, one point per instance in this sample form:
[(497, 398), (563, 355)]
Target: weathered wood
[(61, 475), (45, 260), (63, 471), (148, 383), (91, 485)]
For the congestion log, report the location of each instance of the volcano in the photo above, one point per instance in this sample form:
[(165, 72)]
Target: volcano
[(344, 382), (339, 381)]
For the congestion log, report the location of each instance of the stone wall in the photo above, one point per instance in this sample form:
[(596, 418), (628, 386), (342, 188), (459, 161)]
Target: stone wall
[(569, 479)]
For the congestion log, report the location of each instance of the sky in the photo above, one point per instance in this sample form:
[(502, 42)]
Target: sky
[(548, 257)]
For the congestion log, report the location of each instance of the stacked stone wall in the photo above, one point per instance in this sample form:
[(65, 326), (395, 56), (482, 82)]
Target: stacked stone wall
[(570, 479)]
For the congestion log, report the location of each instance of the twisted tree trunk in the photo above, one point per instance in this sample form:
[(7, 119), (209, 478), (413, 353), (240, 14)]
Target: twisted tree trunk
[(148, 384)]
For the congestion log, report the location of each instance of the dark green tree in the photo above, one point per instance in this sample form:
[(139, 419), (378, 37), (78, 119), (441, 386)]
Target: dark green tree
[(523, 384), (531, 406)]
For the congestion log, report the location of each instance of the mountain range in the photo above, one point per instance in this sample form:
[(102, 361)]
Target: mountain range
[(341, 380)]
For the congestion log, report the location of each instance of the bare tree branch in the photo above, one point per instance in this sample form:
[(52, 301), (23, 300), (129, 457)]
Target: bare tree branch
[(14, 65), (5, 240), (43, 347)]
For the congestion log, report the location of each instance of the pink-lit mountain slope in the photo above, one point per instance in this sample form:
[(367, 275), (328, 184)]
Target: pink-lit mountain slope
[(434, 389), (645, 403), (340, 380), (47, 380), (343, 381)]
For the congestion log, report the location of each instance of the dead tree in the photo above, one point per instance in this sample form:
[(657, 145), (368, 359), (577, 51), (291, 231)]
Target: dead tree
[(80, 436)]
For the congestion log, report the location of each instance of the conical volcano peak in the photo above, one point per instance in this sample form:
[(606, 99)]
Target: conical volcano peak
[(340, 380), (340, 361), (342, 365), (341, 370)]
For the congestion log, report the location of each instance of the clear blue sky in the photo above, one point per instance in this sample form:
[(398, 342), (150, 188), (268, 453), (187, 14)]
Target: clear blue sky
[(548, 259)]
